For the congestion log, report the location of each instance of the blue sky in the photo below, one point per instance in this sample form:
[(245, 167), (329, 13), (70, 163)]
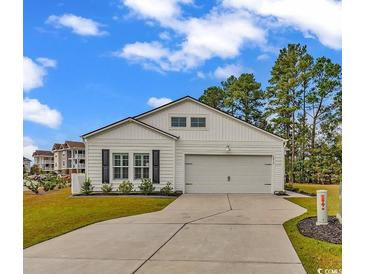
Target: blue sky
[(89, 63)]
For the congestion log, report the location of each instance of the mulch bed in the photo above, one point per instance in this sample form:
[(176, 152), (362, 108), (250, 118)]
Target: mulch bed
[(330, 233)]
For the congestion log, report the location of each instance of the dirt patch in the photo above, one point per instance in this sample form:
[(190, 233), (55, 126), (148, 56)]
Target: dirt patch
[(330, 233)]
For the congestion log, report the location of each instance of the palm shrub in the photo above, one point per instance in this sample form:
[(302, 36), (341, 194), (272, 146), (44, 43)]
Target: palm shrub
[(106, 188), (146, 186), (167, 189), (125, 187), (87, 188)]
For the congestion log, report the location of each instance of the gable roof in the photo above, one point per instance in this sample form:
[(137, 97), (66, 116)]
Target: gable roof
[(56, 146), (26, 159), (135, 119), (207, 106), (130, 119), (74, 144), (42, 153)]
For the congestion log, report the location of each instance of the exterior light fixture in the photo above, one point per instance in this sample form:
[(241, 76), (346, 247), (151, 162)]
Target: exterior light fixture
[(228, 148)]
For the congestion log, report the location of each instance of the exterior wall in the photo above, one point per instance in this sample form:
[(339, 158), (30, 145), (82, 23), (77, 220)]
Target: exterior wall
[(57, 157), (130, 138), (44, 162), (219, 127), (220, 131)]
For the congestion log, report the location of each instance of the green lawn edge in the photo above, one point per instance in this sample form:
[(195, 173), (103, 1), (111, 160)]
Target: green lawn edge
[(57, 213), (313, 253)]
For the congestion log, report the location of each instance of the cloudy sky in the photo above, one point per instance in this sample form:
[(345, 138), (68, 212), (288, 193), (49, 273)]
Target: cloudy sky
[(89, 63)]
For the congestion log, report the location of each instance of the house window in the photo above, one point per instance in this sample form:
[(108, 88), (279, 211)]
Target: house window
[(178, 121), (120, 166), (141, 165), (197, 122)]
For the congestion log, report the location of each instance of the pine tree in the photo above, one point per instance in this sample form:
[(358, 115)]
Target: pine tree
[(247, 94), (213, 96), (284, 94)]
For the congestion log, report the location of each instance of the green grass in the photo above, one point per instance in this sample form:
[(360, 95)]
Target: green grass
[(55, 213), (313, 253)]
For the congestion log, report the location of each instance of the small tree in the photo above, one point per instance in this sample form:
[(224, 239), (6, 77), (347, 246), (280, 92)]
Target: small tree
[(146, 186), (167, 189), (87, 188), (125, 187), (35, 169), (106, 188)]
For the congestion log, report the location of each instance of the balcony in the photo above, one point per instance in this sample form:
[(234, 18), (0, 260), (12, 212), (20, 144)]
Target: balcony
[(78, 166), (79, 156)]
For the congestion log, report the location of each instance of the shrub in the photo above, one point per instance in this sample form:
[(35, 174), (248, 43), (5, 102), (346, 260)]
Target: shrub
[(125, 187), (49, 185), (146, 186), (87, 187), (62, 182), (32, 185), (106, 188), (167, 189)]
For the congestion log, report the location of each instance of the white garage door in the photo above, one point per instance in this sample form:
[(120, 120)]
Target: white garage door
[(227, 174)]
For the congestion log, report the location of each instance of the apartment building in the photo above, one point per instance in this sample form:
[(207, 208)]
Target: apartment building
[(26, 164), (44, 159), (69, 157)]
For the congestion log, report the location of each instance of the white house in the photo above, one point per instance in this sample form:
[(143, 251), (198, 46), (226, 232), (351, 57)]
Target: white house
[(195, 147)]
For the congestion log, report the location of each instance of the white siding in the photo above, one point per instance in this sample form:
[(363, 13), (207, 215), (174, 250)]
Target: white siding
[(220, 131), (219, 126), (130, 138)]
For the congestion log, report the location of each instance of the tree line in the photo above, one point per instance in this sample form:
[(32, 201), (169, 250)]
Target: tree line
[(301, 103)]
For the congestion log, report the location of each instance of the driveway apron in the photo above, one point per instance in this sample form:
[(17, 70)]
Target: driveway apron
[(200, 233)]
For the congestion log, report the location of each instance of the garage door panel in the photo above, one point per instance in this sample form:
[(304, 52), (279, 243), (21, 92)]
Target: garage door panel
[(228, 174)]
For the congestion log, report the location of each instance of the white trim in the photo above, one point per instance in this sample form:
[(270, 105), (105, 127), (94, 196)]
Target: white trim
[(125, 121), (232, 154)]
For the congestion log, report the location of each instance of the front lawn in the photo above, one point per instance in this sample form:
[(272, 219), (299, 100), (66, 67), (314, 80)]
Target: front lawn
[(313, 253), (55, 213)]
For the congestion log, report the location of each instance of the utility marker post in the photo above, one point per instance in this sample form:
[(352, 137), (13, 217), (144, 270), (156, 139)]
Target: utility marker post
[(322, 216)]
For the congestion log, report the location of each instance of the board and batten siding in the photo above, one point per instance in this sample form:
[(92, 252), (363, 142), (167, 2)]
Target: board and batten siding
[(219, 127), (220, 131), (130, 138)]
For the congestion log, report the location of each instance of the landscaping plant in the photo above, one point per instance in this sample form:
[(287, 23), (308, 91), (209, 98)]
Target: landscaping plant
[(167, 189), (106, 188), (146, 186), (87, 188), (125, 187)]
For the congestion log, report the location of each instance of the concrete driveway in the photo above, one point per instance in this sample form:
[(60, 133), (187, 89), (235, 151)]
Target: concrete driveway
[(201, 233)]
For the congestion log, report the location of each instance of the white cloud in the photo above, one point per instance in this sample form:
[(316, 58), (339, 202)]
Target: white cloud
[(32, 74), (143, 50), (161, 10), (215, 35), (263, 57), (321, 18), (165, 36), (28, 147), (79, 25), (200, 75), (157, 102), (223, 72), (46, 62), (39, 113)]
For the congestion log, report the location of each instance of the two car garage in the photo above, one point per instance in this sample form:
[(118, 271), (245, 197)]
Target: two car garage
[(228, 174)]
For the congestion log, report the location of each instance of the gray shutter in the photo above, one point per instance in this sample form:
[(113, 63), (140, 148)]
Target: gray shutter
[(156, 166), (105, 165)]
